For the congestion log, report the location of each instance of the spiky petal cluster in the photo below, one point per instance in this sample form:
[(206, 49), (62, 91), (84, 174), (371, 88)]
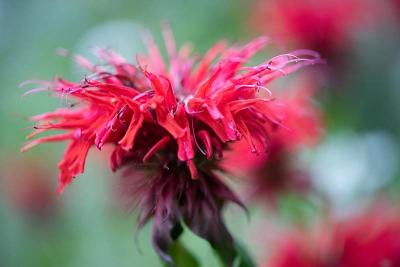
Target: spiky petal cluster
[(369, 240), (178, 117), (197, 109)]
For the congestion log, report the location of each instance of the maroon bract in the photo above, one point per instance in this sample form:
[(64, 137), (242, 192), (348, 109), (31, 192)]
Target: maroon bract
[(175, 121)]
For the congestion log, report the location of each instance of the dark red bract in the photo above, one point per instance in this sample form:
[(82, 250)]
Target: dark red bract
[(175, 120)]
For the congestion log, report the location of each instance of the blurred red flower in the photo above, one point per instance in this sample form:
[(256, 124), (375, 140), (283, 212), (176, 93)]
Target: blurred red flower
[(27, 186), (325, 26), (170, 125), (368, 240), (273, 174)]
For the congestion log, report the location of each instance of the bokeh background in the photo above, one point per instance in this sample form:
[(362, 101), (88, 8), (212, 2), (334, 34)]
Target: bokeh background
[(356, 162)]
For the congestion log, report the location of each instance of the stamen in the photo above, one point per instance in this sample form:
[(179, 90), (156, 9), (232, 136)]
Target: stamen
[(159, 145), (194, 137)]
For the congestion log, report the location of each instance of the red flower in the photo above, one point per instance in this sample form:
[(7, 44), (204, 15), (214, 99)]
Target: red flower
[(270, 175), (174, 122), (369, 240), (27, 188), (325, 26)]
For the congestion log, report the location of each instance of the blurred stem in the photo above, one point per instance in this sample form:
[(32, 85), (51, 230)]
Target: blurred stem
[(182, 257), (243, 258)]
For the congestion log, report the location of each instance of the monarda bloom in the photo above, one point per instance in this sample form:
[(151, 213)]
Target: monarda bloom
[(274, 173), (371, 239), (169, 124)]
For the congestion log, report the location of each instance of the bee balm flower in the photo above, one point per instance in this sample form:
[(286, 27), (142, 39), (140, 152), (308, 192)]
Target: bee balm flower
[(170, 124)]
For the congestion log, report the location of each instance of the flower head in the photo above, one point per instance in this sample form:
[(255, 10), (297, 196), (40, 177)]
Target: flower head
[(174, 121)]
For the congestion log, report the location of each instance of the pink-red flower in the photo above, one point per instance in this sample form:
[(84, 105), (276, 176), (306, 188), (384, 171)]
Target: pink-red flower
[(274, 173), (325, 26), (25, 185), (368, 240), (169, 124)]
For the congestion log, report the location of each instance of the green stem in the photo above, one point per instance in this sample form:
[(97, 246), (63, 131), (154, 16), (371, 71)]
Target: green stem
[(182, 256)]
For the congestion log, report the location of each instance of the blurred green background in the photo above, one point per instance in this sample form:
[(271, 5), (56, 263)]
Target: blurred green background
[(357, 160)]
